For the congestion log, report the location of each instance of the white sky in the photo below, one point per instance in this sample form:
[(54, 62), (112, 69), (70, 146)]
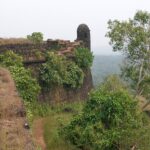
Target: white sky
[(58, 19)]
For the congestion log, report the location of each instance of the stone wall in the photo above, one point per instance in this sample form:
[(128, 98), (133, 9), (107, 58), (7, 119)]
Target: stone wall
[(56, 94), (61, 94), (29, 51)]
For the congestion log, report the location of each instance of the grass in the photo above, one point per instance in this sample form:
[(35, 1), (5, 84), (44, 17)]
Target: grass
[(61, 115), (14, 41), (51, 135)]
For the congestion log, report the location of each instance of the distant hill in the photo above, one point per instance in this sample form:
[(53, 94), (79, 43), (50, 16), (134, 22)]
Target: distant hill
[(104, 66)]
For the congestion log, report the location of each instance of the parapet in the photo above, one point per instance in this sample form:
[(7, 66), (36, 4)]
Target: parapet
[(29, 50)]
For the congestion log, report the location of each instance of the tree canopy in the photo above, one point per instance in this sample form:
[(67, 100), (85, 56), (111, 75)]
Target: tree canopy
[(132, 38)]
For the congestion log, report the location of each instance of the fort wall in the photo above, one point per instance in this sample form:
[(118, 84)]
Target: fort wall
[(29, 51)]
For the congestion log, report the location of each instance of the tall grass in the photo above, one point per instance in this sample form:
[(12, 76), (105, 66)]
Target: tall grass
[(62, 114)]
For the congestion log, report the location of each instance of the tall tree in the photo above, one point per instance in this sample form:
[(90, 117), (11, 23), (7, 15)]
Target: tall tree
[(132, 38)]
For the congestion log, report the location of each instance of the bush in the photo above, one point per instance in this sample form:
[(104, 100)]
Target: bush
[(35, 37), (27, 86), (83, 57), (74, 76), (109, 118), (52, 72), (58, 71), (9, 58)]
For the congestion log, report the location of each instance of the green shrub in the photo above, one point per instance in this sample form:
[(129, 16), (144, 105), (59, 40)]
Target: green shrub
[(52, 72), (38, 54), (74, 76), (109, 118), (35, 37), (58, 71), (9, 58), (83, 57), (26, 85)]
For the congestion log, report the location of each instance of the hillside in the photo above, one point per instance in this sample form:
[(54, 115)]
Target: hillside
[(13, 135), (104, 66)]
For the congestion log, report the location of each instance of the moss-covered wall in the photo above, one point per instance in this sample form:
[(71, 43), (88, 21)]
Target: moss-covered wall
[(60, 94)]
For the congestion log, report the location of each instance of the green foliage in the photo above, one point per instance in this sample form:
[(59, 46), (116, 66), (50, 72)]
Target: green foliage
[(10, 59), (35, 109), (51, 136), (58, 71), (113, 83), (35, 37), (83, 57), (109, 115), (132, 38), (74, 75), (27, 86), (59, 116), (52, 72), (38, 54)]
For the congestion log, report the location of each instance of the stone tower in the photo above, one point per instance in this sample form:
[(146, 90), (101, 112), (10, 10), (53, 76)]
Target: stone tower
[(83, 34)]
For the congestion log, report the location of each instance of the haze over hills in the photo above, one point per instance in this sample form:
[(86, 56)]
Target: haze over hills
[(104, 65)]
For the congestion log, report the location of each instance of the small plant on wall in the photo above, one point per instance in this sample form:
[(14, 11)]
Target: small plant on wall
[(74, 76), (83, 57)]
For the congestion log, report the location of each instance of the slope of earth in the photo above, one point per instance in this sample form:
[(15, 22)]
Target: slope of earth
[(13, 134), (38, 132)]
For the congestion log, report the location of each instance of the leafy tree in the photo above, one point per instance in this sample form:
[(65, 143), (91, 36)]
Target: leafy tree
[(109, 119), (83, 57), (35, 37), (132, 38)]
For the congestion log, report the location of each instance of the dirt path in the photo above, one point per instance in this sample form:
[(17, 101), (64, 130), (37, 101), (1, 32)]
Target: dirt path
[(38, 132), (13, 135)]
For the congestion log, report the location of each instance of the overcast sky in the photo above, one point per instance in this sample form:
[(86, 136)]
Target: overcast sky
[(59, 19)]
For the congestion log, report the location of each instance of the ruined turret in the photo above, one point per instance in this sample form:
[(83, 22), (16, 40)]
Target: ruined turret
[(83, 34)]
